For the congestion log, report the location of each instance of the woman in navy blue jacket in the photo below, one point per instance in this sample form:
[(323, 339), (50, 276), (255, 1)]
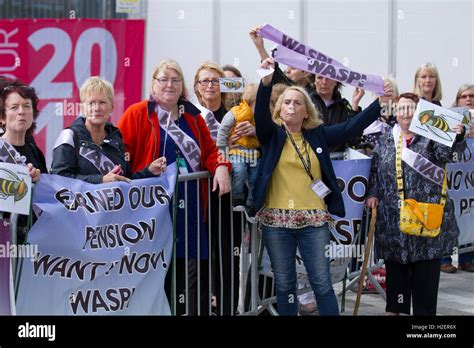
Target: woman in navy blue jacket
[(92, 149), (296, 188)]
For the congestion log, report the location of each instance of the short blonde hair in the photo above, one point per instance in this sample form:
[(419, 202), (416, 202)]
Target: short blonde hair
[(95, 84), (313, 119), (225, 98), (437, 92), (166, 64)]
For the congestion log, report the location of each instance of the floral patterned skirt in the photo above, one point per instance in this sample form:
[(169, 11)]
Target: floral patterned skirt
[(291, 218)]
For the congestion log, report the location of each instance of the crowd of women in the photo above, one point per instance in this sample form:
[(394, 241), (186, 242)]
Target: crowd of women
[(287, 126)]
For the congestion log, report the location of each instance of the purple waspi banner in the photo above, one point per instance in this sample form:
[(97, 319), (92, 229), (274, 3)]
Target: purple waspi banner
[(297, 55)]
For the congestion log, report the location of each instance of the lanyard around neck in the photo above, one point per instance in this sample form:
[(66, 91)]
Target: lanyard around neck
[(307, 163)]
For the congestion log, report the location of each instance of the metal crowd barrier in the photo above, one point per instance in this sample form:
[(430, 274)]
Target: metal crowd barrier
[(255, 292), (217, 278)]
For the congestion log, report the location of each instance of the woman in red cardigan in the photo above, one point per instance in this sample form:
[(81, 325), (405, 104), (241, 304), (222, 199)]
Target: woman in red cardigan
[(169, 125)]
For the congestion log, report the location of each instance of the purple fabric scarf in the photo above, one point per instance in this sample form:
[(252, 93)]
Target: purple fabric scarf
[(297, 55)]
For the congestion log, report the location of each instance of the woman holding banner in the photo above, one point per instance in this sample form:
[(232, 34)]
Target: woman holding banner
[(295, 159), (92, 149), (169, 125), (324, 92), (412, 262)]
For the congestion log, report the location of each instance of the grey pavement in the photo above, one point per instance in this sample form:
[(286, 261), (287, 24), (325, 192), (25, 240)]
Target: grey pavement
[(455, 297)]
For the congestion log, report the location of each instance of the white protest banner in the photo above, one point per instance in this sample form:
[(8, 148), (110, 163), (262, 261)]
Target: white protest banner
[(435, 123), (15, 188), (102, 249), (461, 191)]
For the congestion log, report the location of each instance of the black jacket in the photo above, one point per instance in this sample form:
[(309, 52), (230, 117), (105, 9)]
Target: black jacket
[(339, 111), (68, 162)]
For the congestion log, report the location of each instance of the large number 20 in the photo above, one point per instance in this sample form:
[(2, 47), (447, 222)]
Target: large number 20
[(43, 83), (82, 59)]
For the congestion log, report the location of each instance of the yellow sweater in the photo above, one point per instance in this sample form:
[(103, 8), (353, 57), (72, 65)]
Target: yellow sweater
[(290, 184), (243, 112)]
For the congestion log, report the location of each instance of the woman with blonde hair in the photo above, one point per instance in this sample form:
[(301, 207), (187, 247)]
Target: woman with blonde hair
[(213, 106), (296, 189), (91, 137), (427, 84), (169, 125)]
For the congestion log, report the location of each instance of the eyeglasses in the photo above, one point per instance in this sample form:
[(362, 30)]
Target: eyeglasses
[(465, 96), (206, 82), (164, 81), (14, 87)]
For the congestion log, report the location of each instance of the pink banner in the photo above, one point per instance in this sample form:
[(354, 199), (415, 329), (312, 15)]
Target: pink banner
[(297, 55), (57, 56)]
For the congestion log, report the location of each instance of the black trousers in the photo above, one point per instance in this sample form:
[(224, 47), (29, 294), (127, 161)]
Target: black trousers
[(187, 301), (416, 280), (225, 254)]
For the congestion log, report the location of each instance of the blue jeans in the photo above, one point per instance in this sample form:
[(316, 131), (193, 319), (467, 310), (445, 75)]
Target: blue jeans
[(281, 244), (243, 170)]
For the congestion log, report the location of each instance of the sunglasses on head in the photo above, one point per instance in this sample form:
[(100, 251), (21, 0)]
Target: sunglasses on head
[(16, 87)]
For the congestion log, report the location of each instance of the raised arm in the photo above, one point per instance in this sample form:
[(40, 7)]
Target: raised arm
[(263, 119), (258, 42), (342, 132)]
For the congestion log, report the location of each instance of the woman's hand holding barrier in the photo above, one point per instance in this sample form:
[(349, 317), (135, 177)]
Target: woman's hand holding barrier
[(221, 180)]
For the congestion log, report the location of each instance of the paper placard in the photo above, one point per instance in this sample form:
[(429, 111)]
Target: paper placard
[(231, 84), (435, 122), (15, 188), (127, 6)]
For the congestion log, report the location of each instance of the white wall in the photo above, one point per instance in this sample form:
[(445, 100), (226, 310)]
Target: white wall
[(372, 36)]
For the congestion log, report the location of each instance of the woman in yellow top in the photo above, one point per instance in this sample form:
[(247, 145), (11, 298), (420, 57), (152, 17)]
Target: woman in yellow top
[(296, 188)]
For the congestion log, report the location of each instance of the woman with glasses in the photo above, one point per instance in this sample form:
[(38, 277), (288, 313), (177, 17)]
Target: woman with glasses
[(92, 149), (169, 125), (412, 262), (464, 98), (213, 106)]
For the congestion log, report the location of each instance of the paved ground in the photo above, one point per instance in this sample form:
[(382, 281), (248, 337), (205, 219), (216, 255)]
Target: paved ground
[(456, 297)]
